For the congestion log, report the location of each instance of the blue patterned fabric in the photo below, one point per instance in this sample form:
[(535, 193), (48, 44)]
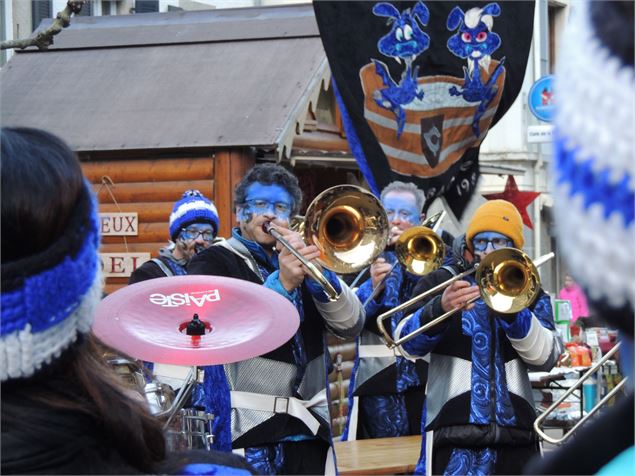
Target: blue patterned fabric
[(207, 468), (476, 325), (266, 459), (389, 415), (213, 396), (465, 462), (421, 463)]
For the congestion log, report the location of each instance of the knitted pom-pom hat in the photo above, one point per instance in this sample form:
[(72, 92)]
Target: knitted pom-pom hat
[(593, 170), (49, 298), (193, 207), (500, 216)]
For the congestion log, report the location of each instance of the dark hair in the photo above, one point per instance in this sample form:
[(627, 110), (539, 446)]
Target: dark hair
[(42, 182), (270, 174)]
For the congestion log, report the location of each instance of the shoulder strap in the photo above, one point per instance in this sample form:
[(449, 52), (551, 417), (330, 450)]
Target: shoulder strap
[(167, 271), (236, 247)]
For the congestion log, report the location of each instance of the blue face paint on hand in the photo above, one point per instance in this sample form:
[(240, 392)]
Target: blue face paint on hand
[(264, 199)]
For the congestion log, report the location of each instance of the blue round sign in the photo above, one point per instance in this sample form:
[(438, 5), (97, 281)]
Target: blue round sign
[(541, 99)]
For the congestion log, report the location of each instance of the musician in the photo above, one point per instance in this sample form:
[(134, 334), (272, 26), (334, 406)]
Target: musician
[(387, 392), (480, 406), (277, 402), (64, 411), (594, 205), (193, 226)]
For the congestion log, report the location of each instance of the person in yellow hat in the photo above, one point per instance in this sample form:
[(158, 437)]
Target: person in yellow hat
[(480, 407)]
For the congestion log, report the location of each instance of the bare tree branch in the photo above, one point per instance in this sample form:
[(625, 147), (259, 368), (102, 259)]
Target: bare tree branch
[(44, 39)]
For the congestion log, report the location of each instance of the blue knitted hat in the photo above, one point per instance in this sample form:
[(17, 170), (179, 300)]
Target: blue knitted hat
[(48, 299), (193, 207), (593, 170)]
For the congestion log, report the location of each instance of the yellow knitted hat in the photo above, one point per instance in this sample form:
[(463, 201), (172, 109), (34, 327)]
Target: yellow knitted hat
[(500, 216)]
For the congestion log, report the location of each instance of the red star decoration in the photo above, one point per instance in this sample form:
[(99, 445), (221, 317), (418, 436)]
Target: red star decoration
[(520, 199)]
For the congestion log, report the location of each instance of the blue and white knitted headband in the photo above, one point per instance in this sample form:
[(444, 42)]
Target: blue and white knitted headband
[(594, 166), (49, 298)]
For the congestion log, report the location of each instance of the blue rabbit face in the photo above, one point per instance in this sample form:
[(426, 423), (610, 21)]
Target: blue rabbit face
[(473, 41), (405, 39)]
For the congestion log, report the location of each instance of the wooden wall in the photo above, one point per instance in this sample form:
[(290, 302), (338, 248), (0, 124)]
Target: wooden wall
[(150, 186)]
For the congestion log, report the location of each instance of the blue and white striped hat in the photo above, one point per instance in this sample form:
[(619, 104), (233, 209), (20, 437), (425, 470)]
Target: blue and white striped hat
[(193, 207), (49, 299), (593, 170)]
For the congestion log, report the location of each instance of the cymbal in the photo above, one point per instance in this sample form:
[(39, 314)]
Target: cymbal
[(148, 320)]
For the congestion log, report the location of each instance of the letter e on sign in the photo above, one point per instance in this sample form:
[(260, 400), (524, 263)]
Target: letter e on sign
[(119, 224), (121, 264)]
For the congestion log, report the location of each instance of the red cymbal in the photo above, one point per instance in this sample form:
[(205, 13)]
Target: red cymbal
[(242, 320)]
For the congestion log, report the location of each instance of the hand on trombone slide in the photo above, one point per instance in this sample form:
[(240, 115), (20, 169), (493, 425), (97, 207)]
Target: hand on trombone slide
[(292, 271), (457, 295)]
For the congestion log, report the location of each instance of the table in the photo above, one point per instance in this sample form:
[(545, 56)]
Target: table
[(378, 456)]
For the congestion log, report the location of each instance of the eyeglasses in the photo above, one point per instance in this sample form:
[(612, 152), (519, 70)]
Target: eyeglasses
[(194, 233), (480, 244), (404, 215), (262, 206)]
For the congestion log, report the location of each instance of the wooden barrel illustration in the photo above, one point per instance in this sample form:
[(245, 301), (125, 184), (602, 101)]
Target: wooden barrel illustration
[(438, 128)]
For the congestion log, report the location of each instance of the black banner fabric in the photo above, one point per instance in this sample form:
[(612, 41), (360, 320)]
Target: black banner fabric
[(420, 84)]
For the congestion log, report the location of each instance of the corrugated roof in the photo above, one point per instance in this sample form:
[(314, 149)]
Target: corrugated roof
[(240, 77)]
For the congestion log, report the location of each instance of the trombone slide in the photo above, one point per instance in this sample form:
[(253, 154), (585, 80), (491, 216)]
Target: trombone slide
[(313, 271), (573, 388)]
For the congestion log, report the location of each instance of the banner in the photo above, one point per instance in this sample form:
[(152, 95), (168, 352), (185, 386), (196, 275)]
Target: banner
[(420, 83)]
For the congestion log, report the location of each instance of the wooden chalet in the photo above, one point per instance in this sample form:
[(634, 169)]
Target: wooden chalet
[(156, 104)]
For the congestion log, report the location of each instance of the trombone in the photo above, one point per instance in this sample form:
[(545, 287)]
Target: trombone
[(419, 249), (347, 224), (508, 282), (574, 387)]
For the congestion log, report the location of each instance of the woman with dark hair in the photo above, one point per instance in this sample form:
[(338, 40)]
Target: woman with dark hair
[(64, 410)]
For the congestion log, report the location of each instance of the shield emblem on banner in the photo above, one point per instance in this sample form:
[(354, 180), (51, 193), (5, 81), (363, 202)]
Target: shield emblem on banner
[(438, 128)]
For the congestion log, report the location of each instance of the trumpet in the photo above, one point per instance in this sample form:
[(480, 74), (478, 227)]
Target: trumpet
[(347, 224), (574, 387), (508, 282)]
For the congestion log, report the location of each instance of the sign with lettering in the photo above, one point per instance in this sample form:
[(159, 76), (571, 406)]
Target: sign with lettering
[(119, 224), (542, 133), (121, 264)]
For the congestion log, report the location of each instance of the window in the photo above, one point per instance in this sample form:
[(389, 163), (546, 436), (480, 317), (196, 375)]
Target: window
[(40, 9), (87, 10), (146, 6)]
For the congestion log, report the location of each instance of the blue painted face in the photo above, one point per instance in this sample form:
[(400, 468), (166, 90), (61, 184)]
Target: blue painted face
[(401, 207), (486, 239), (262, 199)]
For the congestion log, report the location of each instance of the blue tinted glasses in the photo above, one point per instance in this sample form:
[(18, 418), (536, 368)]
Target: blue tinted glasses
[(194, 233), (260, 207), (480, 244)]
